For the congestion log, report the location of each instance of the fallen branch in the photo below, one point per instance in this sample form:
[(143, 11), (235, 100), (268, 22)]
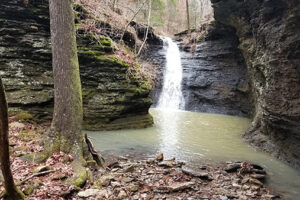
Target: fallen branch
[(3, 194), (34, 175)]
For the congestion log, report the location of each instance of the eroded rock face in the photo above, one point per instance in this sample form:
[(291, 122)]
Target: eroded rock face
[(113, 98), (269, 35), (215, 75)]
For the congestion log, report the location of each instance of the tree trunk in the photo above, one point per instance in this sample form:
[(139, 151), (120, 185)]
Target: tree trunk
[(65, 134), (148, 26), (11, 190), (188, 16)]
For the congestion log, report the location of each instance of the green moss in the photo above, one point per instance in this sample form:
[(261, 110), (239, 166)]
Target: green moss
[(20, 194), (40, 131), (21, 148), (35, 157), (25, 135), (29, 189), (91, 53), (23, 116), (80, 11), (80, 180)]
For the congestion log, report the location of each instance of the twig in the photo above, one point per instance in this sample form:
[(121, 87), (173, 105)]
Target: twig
[(136, 13)]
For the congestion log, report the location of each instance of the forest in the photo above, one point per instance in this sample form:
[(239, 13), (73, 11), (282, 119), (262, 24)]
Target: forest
[(150, 99)]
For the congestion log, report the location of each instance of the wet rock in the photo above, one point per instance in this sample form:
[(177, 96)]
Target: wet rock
[(257, 167), (233, 167), (270, 196), (166, 163), (114, 164), (258, 171), (258, 176), (160, 157), (255, 181)]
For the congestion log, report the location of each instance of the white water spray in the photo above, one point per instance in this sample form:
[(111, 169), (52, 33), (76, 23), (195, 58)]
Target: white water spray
[(171, 95)]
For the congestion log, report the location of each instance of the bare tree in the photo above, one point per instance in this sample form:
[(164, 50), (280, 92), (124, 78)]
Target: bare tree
[(148, 26), (12, 192), (188, 16), (135, 14)]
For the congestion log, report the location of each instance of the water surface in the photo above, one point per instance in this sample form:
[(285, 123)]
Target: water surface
[(197, 138)]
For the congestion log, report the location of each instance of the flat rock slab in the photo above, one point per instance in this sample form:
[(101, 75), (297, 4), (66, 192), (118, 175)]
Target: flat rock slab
[(89, 193), (195, 173), (176, 187)]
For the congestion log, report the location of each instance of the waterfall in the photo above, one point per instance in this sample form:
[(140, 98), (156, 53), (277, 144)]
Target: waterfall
[(171, 95)]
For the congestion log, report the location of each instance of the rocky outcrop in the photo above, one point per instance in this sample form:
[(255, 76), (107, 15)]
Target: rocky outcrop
[(214, 73), (268, 33), (113, 98)]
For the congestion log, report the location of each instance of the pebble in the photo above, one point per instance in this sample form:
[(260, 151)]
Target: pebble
[(223, 198)]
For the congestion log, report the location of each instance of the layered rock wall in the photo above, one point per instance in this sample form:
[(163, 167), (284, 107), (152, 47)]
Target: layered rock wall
[(269, 36), (214, 74), (113, 98)]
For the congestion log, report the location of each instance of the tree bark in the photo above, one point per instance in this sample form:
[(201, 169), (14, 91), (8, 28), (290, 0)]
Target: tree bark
[(65, 133), (11, 190), (188, 16)]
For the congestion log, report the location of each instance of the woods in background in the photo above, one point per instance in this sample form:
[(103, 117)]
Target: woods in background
[(167, 16)]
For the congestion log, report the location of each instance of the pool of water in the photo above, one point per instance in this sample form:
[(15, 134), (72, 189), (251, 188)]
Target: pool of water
[(196, 138)]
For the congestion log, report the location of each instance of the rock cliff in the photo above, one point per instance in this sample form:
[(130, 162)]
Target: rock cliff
[(214, 73), (269, 38), (112, 97)]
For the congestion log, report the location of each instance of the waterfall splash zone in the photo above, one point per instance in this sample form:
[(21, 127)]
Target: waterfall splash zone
[(171, 96)]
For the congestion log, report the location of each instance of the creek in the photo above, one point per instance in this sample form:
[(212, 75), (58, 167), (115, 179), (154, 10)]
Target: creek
[(197, 138)]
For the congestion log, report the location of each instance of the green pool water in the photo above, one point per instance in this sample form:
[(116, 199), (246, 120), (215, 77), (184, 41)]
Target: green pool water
[(197, 138)]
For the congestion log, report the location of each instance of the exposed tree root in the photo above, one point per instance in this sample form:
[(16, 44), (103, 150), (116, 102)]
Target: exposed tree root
[(96, 156)]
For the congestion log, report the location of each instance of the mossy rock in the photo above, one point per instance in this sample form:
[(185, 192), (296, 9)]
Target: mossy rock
[(23, 116), (34, 157), (29, 190)]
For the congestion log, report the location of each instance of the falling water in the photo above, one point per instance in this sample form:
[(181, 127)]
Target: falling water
[(171, 95)]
